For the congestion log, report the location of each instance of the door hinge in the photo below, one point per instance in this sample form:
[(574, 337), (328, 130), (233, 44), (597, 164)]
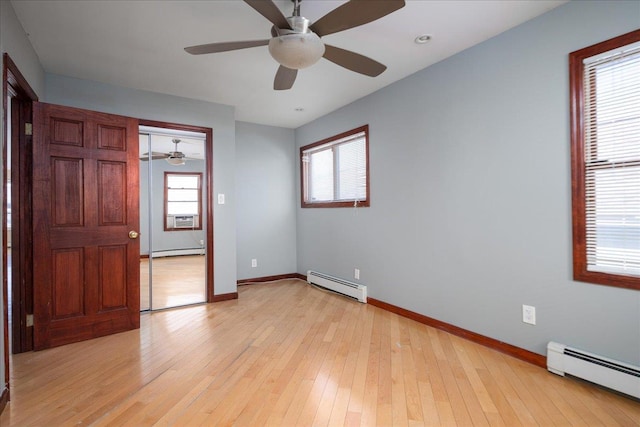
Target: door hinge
[(29, 320), (28, 129)]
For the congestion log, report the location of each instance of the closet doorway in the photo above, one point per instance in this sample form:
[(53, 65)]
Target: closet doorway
[(175, 217)]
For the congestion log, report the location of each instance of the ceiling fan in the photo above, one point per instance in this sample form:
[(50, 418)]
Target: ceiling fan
[(295, 44), (175, 157)]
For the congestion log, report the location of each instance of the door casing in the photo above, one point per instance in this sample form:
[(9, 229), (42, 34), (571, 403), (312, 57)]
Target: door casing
[(22, 97)]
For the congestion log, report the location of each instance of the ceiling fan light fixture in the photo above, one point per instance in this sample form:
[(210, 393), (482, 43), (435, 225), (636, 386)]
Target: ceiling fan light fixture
[(295, 44), (176, 161), (296, 50)]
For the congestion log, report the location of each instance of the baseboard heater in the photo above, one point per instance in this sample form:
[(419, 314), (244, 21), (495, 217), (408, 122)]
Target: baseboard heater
[(338, 285), (178, 252), (600, 370)]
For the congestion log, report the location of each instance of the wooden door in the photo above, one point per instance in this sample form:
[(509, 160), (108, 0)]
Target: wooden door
[(85, 204)]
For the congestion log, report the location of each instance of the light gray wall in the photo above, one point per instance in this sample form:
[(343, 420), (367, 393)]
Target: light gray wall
[(470, 211), (154, 106), (266, 200), (14, 41)]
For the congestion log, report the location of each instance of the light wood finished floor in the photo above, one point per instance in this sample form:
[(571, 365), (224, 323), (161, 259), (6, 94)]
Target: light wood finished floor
[(287, 354), (177, 280)]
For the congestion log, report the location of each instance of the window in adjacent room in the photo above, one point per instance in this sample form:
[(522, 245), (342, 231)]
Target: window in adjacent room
[(605, 141), (335, 171), (183, 201)]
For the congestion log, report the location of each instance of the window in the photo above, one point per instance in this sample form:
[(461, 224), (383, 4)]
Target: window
[(605, 145), (335, 171), (183, 201)]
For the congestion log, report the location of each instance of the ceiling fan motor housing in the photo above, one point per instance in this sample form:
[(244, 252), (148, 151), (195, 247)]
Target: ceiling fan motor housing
[(296, 48)]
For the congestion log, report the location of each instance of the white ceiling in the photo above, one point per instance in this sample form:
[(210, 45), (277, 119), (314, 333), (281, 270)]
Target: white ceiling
[(139, 44)]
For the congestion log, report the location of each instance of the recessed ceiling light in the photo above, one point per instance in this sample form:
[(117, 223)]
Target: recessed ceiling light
[(423, 39)]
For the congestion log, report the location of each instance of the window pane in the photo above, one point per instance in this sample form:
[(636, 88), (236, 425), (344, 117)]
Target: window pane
[(353, 173), (334, 171), (182, 208), (321, 176), (612, 165), (182, 195), (607, 180), (613, 221), (616, 110), (182, 181)]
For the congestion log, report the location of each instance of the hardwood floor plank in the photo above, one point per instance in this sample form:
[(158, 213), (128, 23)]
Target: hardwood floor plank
[(331, 371), (471, 373), (398, 394), (358, 387), (170, 416), (346, 378), (573, 412), (370, 398), (288, 354), (384, 415), (523, 398), (429, 407), (460, 412)]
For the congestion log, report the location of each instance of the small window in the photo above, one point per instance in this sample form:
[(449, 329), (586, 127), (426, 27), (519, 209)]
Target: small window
[(183, 201), (605, 141), (335, 171)]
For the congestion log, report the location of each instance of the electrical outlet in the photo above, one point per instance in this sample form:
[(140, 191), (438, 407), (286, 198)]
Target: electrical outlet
[(254, 263), (529, 314), (356, 274), (220, 198)]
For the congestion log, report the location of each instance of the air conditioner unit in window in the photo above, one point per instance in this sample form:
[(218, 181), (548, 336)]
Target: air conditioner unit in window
[(184, 221)]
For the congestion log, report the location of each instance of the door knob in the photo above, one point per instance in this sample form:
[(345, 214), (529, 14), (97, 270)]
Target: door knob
[(133, 234)]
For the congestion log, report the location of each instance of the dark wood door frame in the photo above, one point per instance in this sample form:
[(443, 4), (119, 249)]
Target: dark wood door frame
[(16, 87), (209, 199)]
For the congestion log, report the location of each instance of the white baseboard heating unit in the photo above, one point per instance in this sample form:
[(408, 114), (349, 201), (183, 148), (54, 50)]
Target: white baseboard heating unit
[(338, 285), (600, 370)]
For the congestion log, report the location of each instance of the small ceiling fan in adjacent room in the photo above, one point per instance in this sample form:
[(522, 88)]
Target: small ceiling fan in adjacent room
[(296, 44), (175, 157)]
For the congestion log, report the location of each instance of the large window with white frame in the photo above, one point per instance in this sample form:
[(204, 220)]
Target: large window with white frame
[(183, 201), (335, 171), (605, 141)]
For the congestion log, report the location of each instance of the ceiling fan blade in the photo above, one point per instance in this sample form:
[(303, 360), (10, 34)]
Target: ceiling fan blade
[(353, 61), (154, 156), (354, 14), (285, 77), (146, 159), (224, 46), (269, 10)]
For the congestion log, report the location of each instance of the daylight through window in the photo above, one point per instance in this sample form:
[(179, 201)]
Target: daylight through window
[(606, 162), (335, 171), (183, 201)]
